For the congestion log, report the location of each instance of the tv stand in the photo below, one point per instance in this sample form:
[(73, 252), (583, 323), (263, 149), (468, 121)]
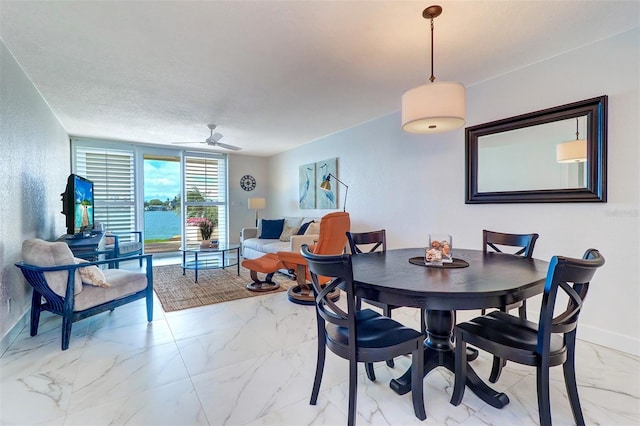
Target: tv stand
[(80, 236), (83, 246)]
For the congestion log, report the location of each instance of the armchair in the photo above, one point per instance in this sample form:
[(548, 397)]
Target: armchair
[(76, 289), (119, 247), (332, 239)]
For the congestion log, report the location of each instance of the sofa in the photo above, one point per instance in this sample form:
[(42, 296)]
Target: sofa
[(253, 246)]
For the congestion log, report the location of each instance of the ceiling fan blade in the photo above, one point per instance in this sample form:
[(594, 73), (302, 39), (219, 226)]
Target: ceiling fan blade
[(226, 146), (216, 137)]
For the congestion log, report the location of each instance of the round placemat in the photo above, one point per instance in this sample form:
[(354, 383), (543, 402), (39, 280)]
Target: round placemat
[(457, 263)]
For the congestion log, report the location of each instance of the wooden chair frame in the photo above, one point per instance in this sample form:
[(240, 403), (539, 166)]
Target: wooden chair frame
[(549, 343), (329, 314), (526, 243)]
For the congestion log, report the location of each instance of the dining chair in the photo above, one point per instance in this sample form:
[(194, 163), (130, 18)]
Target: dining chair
[(358, 335), (524, 245), (549, 343), (370, 242)]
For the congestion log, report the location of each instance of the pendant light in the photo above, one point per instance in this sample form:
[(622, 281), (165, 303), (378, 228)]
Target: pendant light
[(572, 151), (436, 106)]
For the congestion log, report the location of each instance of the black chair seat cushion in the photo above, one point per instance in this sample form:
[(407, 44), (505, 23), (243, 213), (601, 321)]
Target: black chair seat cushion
[(510, 337), (374, 331)]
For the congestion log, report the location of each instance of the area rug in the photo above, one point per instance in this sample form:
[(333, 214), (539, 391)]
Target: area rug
[(177, 291)]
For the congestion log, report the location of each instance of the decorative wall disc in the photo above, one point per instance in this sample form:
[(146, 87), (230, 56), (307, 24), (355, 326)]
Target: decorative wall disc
[(248, 183)]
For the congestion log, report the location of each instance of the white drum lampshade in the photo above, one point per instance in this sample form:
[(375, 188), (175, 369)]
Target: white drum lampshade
[(434, 107), (572, 151)]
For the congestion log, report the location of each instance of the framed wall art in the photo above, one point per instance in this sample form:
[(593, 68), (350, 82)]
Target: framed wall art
[(307, 186)]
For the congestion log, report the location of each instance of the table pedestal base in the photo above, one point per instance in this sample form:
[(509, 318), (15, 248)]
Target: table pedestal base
[(438, 352)]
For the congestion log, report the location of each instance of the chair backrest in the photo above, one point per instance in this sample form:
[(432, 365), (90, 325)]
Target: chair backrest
[(37, 252), (333, 233), (339, 269), (526, 242), (573, 277), (374, 240)]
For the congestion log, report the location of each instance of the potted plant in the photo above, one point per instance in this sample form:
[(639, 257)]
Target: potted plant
[(206, 227)]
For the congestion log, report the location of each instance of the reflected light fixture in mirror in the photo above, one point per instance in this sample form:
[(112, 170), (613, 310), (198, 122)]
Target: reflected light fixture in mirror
[(433, 107), (572, 151)]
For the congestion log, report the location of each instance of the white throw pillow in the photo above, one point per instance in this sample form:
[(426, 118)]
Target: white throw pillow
[(91, 274)]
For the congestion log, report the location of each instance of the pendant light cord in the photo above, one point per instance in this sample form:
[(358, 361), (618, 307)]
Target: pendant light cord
[(432, 78)]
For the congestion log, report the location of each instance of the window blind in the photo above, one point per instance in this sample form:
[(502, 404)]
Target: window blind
[(112, 172), (205, 188)]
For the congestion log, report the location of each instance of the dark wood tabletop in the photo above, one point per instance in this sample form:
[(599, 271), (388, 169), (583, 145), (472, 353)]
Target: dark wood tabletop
[(490, 280)]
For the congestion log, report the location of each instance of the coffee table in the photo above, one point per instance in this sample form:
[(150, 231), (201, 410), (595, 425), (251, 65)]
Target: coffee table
[(210, 258)]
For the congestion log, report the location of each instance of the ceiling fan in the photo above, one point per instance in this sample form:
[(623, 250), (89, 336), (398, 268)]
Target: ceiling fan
[(214, 140)]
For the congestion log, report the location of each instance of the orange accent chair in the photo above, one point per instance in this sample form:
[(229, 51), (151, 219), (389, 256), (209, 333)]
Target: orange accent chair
[(331, 240)]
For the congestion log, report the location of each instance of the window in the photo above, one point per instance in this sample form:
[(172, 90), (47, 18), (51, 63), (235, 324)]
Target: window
[(114, 168), (113, 174), (205, 186)]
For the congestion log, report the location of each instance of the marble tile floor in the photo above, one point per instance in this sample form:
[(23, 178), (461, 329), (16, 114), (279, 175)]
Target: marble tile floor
[(251, 362)]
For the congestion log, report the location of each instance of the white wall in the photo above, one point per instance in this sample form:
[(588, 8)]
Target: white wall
[(413, 185), (239, 213), (34, 156)]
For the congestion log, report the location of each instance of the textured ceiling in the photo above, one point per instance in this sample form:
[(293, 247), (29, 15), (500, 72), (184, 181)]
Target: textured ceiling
[(274, 75)]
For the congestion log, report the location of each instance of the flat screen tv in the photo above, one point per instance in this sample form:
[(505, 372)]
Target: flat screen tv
[(77, 205)]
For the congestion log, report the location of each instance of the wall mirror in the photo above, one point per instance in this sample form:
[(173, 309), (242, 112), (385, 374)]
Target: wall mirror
[(553, 155)]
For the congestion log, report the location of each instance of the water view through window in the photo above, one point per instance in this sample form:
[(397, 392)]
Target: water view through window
[(161, 204)]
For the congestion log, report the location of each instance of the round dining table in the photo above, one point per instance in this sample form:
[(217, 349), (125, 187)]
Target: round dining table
[(490, 280)]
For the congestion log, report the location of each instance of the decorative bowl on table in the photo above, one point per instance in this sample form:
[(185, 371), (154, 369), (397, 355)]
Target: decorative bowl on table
[(438, 251)]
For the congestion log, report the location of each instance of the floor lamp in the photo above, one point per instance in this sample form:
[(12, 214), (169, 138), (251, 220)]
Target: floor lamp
[(326, 186), (257, 204)]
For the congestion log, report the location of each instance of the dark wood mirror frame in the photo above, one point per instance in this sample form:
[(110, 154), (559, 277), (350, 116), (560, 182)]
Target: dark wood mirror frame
[(596, 166)]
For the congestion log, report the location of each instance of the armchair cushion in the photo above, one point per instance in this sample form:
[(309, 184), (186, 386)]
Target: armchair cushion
[(91, 275), (122, 283), (42, 253), (129, 247)]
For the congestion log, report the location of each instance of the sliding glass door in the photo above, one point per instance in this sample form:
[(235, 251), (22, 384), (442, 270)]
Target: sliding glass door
[(162, 215)]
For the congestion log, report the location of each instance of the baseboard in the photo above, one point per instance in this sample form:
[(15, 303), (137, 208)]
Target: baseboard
[(8, 338), (609, 339), (599, 336)]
